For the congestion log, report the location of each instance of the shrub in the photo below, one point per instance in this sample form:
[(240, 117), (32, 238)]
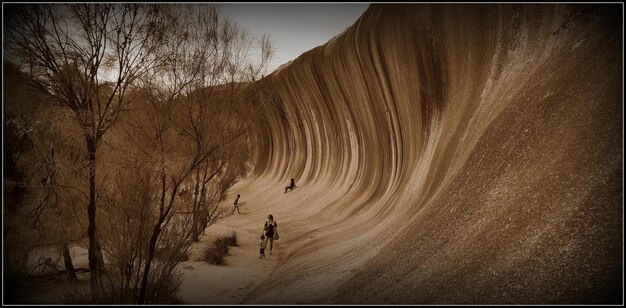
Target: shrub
[(162, 290), (215, 253), (165, 254), (76, 295), (232, 238)]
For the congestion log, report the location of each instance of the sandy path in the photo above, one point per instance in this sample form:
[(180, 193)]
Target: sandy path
[(297, 259), (232, 283)]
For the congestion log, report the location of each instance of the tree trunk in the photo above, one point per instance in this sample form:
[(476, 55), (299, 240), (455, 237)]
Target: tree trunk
[(95, 255), (195, 236), (153, 240), (200, 211), (151, 249), (67, 259), (195, 233), (203, 211)]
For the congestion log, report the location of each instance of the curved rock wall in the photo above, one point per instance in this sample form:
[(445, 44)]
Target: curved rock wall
[(451, 154)]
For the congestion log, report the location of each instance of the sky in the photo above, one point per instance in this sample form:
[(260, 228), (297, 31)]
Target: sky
[(294, 28)]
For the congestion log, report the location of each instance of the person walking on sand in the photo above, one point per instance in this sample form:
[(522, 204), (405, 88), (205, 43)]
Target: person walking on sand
[(262, 244), (270, 230), (291, 186), (237, 204)]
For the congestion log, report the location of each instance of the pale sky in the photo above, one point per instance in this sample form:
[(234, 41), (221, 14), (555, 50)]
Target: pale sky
[(294, 28)]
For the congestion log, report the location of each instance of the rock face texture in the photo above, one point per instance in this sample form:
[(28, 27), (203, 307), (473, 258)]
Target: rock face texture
[(452, 154)]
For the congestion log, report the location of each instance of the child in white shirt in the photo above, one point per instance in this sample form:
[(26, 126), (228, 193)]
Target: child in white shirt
[(262, 244)]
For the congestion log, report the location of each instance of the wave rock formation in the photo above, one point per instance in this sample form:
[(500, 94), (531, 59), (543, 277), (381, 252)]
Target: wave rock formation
[(449, 154)]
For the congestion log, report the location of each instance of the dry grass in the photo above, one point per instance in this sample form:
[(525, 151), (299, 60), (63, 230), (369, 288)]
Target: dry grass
[(232, 238), (216, 252), (163, 291)]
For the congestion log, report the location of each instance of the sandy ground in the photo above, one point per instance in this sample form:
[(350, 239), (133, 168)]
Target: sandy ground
[(246, 279), (298, 270), (243, 272)]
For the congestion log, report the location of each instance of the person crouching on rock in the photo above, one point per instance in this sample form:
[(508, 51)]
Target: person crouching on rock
[(291, 186)]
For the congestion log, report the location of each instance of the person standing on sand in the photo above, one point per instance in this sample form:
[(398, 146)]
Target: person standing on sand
[(270, 229), (262, 244), (237, 204)]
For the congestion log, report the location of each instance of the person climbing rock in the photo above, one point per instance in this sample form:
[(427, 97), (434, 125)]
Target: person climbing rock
[(291, 186), (270, 230)]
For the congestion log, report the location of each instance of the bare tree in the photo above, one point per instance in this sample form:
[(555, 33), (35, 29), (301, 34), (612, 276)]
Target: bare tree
[(217, 108), (187, 117), (42, 166), (85, 57), (173, 76)]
